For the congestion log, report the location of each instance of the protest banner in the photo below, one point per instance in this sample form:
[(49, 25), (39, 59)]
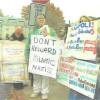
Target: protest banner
[(12, 66), (13, 52), (81, 41), (78, 75), (11, 73), (44, 54), (35, 10)]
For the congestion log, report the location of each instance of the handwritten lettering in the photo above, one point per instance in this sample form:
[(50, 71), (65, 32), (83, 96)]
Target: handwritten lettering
[(42, 69), (87, 83), (90, 46), (44, 50), (43, 60), (45, 41)]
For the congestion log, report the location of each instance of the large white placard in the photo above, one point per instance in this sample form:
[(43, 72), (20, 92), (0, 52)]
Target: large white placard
[(44, 54), (13, 52), (82, 41)]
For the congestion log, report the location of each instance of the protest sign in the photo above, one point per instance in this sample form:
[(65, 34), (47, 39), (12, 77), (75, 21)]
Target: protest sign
[(78, 75), (14, 73), (81, 41), (35, 10), (44, 54), (13, 52)]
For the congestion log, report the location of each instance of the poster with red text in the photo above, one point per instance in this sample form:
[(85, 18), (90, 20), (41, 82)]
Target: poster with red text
[(81, 41)]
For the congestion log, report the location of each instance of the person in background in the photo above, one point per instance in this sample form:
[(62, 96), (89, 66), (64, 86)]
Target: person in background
[(17, 35), (84, 19), (40, 83), (17, 93), (61, 39)]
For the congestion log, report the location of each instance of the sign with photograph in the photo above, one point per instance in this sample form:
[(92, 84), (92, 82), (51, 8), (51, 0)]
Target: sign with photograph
[(35, 10)]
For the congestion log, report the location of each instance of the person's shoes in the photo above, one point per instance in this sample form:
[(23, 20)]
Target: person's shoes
[(44, 97), (34, 95)]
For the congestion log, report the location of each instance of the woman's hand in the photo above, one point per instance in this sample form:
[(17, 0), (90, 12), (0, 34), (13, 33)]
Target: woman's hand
[(44, 32)]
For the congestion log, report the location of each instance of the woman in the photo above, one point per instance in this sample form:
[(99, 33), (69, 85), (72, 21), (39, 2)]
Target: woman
[(73, 95), (40, 83)]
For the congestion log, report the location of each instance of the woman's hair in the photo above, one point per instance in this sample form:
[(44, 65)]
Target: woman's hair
[(84, 19)]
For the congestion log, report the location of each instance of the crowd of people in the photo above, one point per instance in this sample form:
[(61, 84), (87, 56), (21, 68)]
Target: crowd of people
[(41, 83)]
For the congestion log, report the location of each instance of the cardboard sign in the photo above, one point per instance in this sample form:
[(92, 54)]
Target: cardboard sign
[(13, 52), (81, 41), (14, 73), (78, 75), (44, 54)]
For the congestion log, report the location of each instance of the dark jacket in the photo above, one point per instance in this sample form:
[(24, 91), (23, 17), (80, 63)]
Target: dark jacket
[(14, 37)]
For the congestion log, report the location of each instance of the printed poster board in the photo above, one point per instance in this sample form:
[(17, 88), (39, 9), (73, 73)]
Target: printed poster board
[(78, 75), (12, 73), (13, 52), (81, 41)]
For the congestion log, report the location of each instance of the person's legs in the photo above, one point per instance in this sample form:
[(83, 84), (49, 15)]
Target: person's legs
[(36, 85), (20, 94), (31, 79), (17, 93), (72, 95), (97, 94), (45, 87)]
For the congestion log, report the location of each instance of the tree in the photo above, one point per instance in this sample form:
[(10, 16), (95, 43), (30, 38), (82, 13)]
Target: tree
[(25, 12), (1, 13), (54, 16)]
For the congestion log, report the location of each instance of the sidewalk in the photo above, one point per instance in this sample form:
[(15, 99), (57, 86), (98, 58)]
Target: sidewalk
[(57, 92)]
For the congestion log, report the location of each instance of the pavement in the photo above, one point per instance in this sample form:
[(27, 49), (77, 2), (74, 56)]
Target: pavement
[(57, 92)]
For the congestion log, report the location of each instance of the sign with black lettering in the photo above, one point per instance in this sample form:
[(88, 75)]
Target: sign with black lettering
[(44, 54)]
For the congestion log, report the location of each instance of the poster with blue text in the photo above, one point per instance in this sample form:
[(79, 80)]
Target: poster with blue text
[(78, 75), (81, 41)]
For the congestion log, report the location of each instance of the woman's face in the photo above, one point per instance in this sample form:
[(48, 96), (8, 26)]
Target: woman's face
[(84, 19), (40, 20)]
